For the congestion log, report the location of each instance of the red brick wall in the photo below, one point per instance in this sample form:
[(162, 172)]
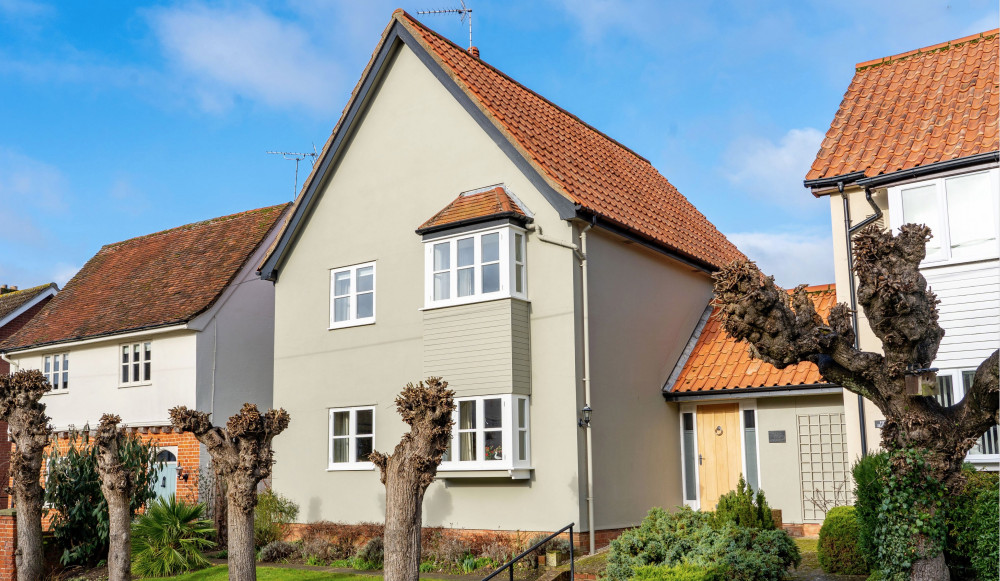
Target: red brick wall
[(6, 331), (8, 544)]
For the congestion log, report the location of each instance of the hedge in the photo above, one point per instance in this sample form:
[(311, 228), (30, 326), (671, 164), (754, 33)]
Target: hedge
[(839, 550)]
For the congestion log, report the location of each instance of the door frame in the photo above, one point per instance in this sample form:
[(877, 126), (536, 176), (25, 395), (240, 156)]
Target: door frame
[(744, 404)]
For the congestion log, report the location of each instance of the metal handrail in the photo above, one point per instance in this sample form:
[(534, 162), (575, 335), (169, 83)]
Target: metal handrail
[(510, 564)]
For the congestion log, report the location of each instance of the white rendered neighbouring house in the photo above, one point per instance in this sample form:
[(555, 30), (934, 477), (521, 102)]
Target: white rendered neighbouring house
[(458, 224), (178, 317), (916, 141)]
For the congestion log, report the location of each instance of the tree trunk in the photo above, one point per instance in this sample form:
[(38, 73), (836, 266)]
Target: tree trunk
[(403, 501), (220, 503), (242, 557), (119, 535), (932, 569), (28, 556)]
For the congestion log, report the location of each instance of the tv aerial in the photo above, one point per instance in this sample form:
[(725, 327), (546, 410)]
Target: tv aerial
[(462, 12), (297, 156)]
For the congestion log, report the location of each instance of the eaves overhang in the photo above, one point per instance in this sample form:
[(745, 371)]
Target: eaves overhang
[(824, 186), (752, 392)]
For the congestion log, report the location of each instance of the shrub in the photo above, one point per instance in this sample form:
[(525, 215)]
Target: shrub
[(699, 539), (272, 516), (318, 549), (869, 491), (681, 572), (73, 490), (838, 543), (370, 556), (986, 557), (744, 508), (277, 551), (168, 539), (963, 526), (449, 549)]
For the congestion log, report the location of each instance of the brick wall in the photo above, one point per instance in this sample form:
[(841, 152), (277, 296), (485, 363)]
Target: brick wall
[(8, 544), (18, 322)]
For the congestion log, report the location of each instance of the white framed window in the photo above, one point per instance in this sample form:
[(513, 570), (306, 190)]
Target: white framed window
[(352, 295), (56, 370), (136, 363), (961, 210), (490, 433), (475, 266), (953, 384), (352, 438)]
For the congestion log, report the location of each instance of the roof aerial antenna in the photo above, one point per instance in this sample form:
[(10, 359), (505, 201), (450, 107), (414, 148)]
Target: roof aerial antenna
[(462, 12), (297, 156)]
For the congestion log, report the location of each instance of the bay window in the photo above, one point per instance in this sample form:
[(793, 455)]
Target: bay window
[(961, 211), (352, 438), (475, 266), (490, 433)]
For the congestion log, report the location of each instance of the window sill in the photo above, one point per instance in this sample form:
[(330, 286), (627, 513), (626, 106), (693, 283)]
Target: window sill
[(356, 467), (928, 265), (131, 385), (348, 324), (54, 392), (458, 303), (983, 458), (512, 473)]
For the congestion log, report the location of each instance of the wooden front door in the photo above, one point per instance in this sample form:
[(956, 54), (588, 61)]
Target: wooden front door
[(718, 451)]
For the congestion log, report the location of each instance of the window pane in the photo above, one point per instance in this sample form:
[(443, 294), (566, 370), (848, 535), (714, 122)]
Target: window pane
[(970, 216), (946, 394), (750, 447), (494, 445), (442, 286), (492, 410), (366, 305), (48, 365), (366, 279), (65, 380), (341, 309), (342, 283), (749, 419), (522, 413), (135, 371), (491, 277), (365, 420), (340, 449), (518, 250), (125, 354), (466, 251), (147, 371), (125, 373), (967, 378), (442, 256), (446, 457), (920, 206), (519, 279), (690, 488), (148, 351), (363, 447), (55, 363), (466, 415), (522, 445), (66, 362), (466, 282), (341, 423), (467, 446), (491, 247)]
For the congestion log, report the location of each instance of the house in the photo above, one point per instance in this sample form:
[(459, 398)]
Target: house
[(17, 307), (915, 140), (457, 224), (178, 317), (782, 429)]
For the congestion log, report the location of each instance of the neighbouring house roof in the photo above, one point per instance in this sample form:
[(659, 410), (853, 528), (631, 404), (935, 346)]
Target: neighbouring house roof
[(156, 280), (468, 208), (12, 301), (595, 173), (720, 363), (924, 106)]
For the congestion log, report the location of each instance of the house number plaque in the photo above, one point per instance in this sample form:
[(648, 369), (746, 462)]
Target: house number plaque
[(776, 437)]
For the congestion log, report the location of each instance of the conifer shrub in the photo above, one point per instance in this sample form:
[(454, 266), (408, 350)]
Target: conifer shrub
[(743, 508), (986, 557), (680, 572), (839, 550), (869, 492)]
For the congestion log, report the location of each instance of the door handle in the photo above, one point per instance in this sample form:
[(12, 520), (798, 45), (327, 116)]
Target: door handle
[(699, 459)]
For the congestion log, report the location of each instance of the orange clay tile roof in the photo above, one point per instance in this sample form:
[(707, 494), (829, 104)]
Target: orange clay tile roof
[(591, 169), (475, 206), (155, 280), (11, 301), (924, 106), (719, 363)]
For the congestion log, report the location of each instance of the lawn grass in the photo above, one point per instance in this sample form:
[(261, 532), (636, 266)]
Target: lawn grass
[(807, 545), (595, 564), (221, 573)]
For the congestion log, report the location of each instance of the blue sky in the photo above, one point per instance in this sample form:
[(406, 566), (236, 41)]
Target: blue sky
[(118, 119)]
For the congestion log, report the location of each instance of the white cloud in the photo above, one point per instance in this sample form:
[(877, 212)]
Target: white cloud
[(773, 171), (62, 272), (24, 8), (792, 258), (245, 52)]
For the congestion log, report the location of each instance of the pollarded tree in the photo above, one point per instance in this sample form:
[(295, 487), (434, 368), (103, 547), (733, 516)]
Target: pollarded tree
[(242, 457), (409, 471), (927, 441), (20, 407)]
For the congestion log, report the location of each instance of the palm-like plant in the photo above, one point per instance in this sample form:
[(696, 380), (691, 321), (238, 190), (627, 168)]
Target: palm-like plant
[(169, 537)]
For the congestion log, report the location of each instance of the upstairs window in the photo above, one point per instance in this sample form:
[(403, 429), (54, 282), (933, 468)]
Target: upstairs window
[(475, 267), (352, 295), (136, 363), (56, 370), (961, 212)]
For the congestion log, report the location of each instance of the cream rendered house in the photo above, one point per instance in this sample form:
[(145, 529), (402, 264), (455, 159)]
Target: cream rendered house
[(460, 225), (916, 141)]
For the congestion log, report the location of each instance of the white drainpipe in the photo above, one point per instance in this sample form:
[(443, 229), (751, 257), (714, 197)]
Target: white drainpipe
[(13, 366)]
